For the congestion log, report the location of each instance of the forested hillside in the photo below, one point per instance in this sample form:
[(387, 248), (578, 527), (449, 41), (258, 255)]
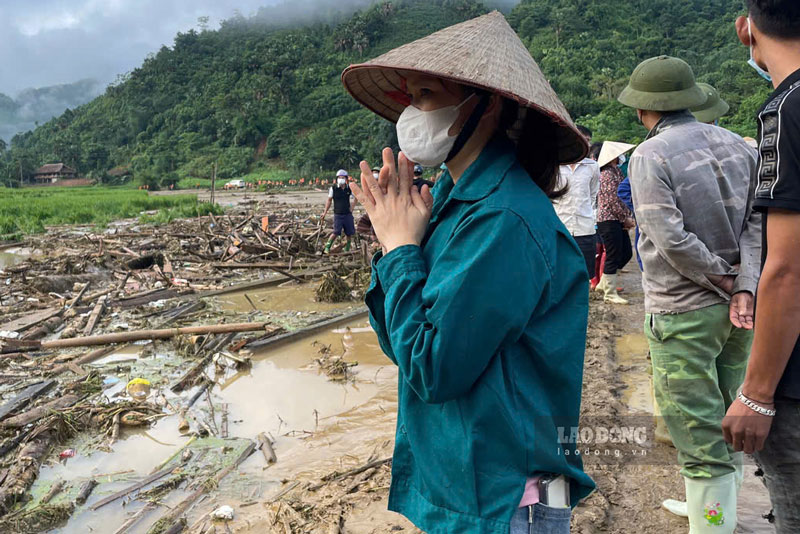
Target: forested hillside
[(255, 95)]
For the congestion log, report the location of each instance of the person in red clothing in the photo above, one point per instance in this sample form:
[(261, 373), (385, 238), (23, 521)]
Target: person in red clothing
[(614, 219)]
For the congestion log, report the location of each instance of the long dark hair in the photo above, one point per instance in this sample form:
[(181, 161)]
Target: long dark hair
[(537, 146)]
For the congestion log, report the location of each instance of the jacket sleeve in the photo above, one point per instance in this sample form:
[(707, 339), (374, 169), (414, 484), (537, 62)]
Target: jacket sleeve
[(375, 300), (662, 222), (624, 193), (445, 323), (750, 242), (594, 189)]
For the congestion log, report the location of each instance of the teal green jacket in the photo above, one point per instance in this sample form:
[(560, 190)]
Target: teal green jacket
[(486, 322)]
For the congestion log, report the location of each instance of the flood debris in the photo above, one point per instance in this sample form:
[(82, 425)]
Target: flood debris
[(334, 365), (114, 329), (333, 289)]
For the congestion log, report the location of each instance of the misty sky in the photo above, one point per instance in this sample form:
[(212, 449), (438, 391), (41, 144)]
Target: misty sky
[(49, 42)]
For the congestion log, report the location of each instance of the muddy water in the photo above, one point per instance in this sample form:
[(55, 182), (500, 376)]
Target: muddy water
[(299, 299), (315, 423), (631, 351)]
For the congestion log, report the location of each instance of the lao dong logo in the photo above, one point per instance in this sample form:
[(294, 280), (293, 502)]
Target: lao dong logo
[(603, 435)]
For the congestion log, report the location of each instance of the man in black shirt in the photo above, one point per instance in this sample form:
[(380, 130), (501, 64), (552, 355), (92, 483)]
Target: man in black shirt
[(343, 200), (766, 417)]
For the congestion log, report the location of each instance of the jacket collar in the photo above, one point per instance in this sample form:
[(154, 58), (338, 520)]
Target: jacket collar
[(484, 175), (671, 120)]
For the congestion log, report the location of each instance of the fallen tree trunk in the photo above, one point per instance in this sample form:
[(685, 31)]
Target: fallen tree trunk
[(25, 470), (166, 333), (18, 421)]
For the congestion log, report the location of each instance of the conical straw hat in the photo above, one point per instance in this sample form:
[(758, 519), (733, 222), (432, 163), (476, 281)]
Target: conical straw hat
[(612, 150), (484, 52)]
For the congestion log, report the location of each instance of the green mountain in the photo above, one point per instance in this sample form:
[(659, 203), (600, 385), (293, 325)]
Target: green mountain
[(257, 94)]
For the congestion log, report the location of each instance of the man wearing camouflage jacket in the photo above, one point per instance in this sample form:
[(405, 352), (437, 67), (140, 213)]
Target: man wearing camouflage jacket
[(700, 246)]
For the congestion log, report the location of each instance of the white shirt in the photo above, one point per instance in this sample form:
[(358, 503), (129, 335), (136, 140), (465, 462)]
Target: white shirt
[(577, 209)]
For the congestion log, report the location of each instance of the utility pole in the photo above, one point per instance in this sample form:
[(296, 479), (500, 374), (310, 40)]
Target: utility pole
[(213, 182)]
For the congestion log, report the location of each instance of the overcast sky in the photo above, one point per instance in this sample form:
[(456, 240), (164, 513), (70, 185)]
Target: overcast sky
[(49, 42)]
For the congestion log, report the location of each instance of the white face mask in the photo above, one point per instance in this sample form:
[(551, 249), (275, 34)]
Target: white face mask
[(622, 160), (376, 175), (752, 62), (424, 135), (341, 181)]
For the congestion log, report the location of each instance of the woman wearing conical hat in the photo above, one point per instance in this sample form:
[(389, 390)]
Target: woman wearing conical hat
[(480, 294)]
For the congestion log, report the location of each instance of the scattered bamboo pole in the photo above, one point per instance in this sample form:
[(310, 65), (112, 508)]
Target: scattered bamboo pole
[(174, 515), (166, 333)]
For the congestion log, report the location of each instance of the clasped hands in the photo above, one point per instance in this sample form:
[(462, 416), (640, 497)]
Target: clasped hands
[(398, 211), (742, 303)]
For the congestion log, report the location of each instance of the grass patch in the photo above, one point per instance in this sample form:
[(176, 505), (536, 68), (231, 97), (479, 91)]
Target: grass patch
[(28, 211), (166, 216)]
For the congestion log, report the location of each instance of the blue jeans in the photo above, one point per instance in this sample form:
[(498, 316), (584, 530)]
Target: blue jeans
[(546, 520), (780, 461)]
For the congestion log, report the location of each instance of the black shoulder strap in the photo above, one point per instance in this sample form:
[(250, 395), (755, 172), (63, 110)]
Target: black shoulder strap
[(471, 125)]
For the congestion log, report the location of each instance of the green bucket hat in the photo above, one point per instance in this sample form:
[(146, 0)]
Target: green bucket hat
[(662, 83), (713, 109)]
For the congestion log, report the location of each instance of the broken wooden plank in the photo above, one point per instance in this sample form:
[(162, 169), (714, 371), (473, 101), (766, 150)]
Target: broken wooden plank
[(27, 321), (97, 312), (46, 327), (27, 395), (86, 358)]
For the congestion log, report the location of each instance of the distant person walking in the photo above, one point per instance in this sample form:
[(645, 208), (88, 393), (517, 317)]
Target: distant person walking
[(614, 220), (577, 208), (343, 202)]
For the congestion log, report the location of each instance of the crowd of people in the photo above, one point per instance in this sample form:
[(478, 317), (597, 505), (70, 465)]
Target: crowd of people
[(480, 289)]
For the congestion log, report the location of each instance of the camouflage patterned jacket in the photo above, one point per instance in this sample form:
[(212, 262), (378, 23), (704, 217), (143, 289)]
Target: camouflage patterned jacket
[(693, 187)]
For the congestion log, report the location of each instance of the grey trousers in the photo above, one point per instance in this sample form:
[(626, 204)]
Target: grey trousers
[(780, 461)]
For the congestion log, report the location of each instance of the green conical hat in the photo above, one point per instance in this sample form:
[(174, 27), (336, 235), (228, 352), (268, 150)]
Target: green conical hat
[(663, 83), (714, 108), (484, 52)]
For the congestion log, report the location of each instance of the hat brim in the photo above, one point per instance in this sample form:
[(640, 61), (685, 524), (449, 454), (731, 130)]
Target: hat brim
[(611, 151), (377, 88), (713, 113), (663, 101)]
